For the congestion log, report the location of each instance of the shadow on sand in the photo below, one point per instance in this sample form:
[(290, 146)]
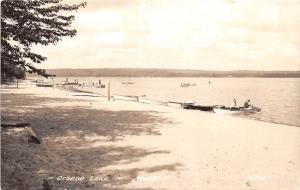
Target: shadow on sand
[(66, 150)]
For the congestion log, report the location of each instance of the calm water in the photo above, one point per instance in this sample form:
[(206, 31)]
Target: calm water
[(279, 98)]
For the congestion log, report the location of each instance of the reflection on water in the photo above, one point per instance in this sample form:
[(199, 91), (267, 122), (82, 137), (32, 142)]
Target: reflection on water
[(279, 98)]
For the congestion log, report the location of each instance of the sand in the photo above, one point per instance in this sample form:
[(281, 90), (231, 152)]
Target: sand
[(91, 143)]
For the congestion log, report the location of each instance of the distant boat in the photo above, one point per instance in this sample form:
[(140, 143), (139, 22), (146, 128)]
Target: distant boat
[(69, 83), (37, 80), (127, 82), (100, 86), (90, 83), (185, 84)]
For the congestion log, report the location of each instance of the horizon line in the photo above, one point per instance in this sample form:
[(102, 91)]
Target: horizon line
[(177, 69)]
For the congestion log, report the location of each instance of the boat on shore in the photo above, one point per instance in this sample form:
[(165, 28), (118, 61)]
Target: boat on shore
[(44, 85), (237, 110), (198, 107)]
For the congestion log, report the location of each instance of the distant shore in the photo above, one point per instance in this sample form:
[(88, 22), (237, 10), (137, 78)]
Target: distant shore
[(138, 72), (140, 146)]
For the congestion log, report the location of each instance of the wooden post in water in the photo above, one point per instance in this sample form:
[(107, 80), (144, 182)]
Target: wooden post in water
[(108, 91), (17, 83), (53, 82)]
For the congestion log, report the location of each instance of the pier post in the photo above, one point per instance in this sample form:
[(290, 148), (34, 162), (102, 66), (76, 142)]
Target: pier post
[(108, 91)]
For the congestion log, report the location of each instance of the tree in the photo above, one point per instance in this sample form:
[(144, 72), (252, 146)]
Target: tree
[(25, 23)]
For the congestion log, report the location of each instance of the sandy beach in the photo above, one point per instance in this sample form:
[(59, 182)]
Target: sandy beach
[(93, 143)]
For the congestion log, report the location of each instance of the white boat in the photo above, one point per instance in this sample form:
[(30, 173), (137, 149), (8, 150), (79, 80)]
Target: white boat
[(240, 110)]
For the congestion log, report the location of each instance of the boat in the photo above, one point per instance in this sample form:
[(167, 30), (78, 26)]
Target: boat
[(100, 86), (37, 80), (198, 107), (128, 82), (69, 83), (44, 85), (89, 84), (237, 110), (185, 84)]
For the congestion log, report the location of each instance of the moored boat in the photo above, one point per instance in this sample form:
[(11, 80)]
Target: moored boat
[(198, 107), (44, 85), (237, 110), (187, 84), (127, 82)]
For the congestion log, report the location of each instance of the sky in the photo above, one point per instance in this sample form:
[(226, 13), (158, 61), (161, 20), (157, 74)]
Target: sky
[(182, 34)]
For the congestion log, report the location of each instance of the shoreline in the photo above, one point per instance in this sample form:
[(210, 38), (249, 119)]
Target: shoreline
[(75, 89), (144, 146), (88, 89)]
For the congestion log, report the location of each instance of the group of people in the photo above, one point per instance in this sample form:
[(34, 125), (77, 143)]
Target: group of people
[(234, 104)]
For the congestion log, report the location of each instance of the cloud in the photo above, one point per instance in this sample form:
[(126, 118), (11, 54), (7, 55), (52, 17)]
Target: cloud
[(196, 34)]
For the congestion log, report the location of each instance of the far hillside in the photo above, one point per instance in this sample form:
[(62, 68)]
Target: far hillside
[(125, 72)]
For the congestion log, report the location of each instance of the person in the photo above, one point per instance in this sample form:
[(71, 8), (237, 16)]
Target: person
[(247, 104), (233, 104)]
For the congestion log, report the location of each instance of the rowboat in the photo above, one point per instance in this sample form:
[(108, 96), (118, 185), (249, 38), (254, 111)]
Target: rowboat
[(198, 107), (237, 110), (44, 85)]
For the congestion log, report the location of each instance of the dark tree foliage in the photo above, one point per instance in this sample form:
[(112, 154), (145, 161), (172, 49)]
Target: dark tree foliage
[(30, 22)]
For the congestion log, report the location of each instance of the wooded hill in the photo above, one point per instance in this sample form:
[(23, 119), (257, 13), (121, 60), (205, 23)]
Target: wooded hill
[(128, 72)]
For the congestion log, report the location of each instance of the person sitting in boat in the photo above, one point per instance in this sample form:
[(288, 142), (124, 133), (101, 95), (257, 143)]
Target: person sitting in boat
[(233, 104), (247, 104)]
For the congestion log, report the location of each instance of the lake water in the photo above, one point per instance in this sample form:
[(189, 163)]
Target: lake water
[(279, 98)]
